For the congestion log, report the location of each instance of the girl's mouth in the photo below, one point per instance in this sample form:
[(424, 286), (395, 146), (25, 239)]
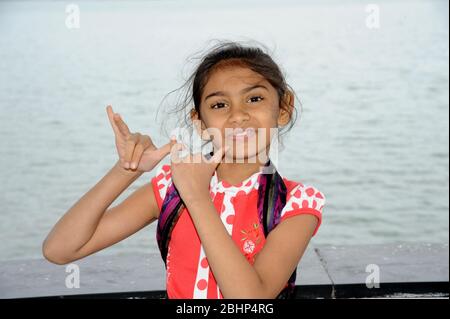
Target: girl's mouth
[(240, 134)]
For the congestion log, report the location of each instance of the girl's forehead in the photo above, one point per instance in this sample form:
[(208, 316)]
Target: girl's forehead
[(233, 79), (232, 74)]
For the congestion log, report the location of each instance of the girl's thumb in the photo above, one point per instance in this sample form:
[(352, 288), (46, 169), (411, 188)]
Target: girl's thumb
[(165, 150)]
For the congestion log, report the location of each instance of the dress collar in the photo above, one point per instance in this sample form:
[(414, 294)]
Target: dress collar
[(223, 186)]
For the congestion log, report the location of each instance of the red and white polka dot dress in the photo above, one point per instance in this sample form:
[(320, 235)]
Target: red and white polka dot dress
[(188, 274)]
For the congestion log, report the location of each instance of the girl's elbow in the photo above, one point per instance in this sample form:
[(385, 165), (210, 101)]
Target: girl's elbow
[(53, 255)]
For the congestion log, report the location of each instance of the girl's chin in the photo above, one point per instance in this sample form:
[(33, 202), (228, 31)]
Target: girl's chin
[(249, 152), (246, 157)]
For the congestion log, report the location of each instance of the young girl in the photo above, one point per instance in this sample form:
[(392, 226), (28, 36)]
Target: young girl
[(227, 226)]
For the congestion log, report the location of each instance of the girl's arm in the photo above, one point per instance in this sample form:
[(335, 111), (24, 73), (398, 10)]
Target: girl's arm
[(88, 226)]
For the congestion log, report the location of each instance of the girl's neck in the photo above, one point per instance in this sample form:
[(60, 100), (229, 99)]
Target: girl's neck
[(235, 173)]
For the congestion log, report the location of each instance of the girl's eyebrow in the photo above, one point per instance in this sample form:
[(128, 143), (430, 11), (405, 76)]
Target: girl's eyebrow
[(247, 89)]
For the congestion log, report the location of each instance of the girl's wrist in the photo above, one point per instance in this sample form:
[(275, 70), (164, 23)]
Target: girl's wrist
[(197, 198), (126, 172)]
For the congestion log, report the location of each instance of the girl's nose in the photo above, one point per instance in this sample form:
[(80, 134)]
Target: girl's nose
[(238, 115)]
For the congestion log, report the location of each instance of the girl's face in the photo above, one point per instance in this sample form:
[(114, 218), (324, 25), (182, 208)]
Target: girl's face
[(238, 100)]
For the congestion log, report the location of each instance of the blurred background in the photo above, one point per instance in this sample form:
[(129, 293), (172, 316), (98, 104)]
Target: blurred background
[(372, 76)]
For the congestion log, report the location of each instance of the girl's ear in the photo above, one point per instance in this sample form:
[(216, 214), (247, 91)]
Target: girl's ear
[(286, 109), (198, 124), (194, 114)]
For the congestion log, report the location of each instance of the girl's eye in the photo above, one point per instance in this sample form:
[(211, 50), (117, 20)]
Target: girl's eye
[(220, 104), (215, 106), (256, 97)]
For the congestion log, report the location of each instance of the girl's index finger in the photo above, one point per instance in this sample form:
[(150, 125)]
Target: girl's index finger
[(110, 113)]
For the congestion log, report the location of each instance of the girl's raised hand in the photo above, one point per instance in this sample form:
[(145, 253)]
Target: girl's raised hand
[(136, 151), (192, 174)]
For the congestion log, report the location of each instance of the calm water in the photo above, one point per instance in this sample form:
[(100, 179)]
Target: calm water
[(373, 135)]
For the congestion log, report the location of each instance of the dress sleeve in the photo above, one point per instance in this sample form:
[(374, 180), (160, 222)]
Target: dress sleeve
[(303, 199), (160, 183)]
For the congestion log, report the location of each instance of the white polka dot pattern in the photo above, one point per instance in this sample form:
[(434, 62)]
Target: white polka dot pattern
[(306, 198)]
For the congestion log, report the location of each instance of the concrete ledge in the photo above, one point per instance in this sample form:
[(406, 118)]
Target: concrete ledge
[(324, 272), (403, 268)]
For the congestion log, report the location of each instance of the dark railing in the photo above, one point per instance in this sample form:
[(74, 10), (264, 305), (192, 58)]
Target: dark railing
[(360, 271)]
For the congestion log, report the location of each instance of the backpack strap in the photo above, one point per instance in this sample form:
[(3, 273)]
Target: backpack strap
[(170, 212), (272, 194)]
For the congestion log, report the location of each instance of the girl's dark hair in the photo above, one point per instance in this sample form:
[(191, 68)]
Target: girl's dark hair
[(255, 57)]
